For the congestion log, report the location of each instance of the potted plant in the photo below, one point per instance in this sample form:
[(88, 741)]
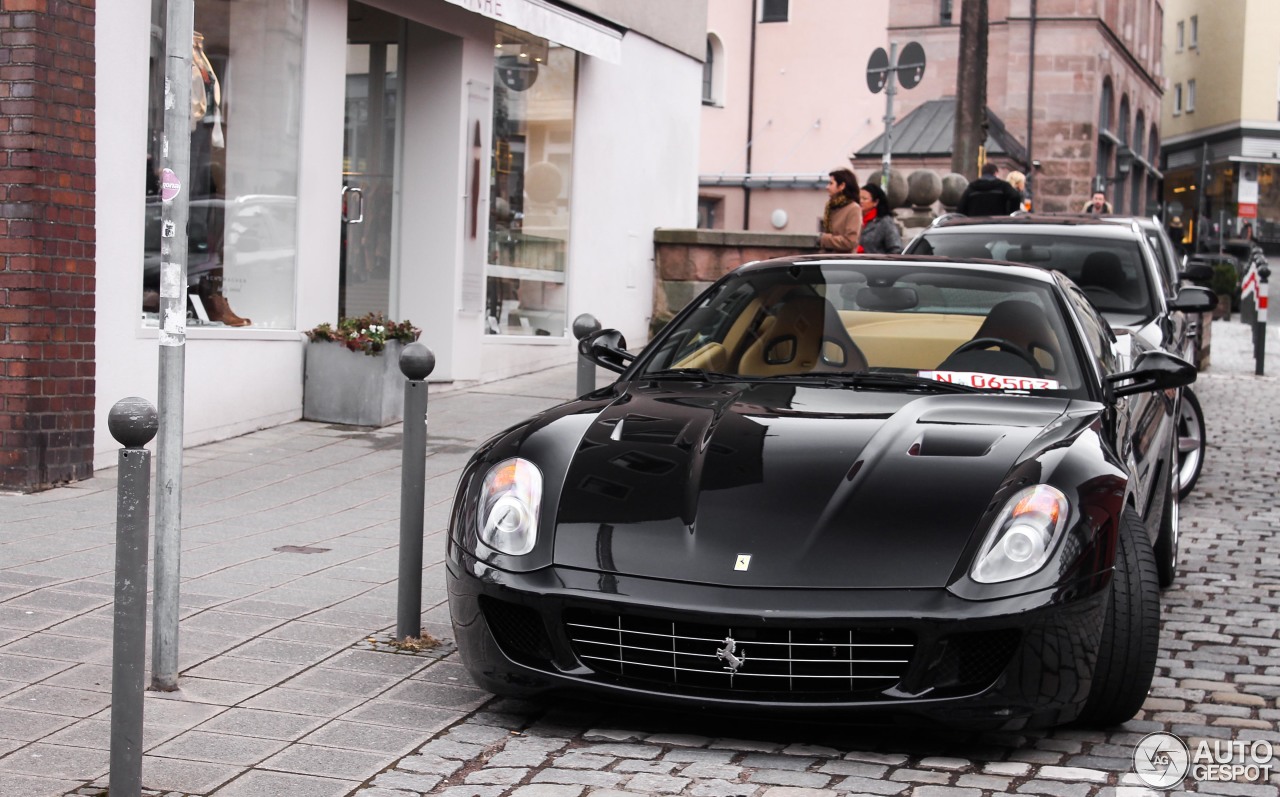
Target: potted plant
[(352, 371), (1225, 282)]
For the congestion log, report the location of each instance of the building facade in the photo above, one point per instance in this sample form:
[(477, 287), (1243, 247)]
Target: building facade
[(1222, 119), (1087, 74), (468, 165)]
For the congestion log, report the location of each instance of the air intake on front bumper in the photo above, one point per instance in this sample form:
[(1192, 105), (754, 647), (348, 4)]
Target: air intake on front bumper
[(810, 663)]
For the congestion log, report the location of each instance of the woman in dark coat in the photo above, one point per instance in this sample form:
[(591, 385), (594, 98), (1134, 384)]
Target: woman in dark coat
[(879, 229)]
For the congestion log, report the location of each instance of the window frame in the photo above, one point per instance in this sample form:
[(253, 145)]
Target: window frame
[(1191, 96), (1194, 42), (1177, 99)]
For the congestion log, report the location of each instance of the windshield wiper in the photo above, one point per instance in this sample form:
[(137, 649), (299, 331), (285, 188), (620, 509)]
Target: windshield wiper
[(685, 373)]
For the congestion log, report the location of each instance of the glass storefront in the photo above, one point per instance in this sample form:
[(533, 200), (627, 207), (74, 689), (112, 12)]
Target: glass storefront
[(1219, 210), (529, 192), (245, 124)]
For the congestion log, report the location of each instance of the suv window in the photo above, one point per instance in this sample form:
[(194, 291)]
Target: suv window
[(1111, 271)]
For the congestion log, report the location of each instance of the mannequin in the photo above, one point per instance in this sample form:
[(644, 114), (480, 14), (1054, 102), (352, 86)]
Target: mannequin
[(206, 137)]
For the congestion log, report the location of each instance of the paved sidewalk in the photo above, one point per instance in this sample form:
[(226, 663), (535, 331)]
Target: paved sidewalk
[(287, 687), (277, 674)]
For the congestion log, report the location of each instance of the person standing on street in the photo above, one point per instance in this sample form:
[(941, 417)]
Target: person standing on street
[(879, 230), (1098, 204), (842, 218), (989, 195), (1019, 182)]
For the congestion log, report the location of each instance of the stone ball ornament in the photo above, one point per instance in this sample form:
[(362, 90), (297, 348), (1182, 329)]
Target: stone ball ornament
[(953, 186), (924, 186), (133, 422), (417, 361)]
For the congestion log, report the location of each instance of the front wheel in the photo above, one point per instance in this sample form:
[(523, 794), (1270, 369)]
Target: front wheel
[(1166, 548), (1191, 441), (1130, 631)]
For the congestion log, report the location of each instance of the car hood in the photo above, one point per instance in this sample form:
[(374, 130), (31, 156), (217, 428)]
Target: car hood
[(820, 487)]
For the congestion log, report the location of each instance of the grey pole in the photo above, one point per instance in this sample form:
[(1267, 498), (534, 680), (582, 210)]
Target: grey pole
[(176, 159), (416, 363), (133, 423), (583, 326), (890, 89)]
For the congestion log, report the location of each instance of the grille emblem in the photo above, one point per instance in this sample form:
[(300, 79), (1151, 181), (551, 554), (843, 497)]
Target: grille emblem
[(726, 654)]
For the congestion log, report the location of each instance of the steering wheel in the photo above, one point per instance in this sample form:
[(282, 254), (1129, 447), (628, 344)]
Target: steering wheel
[(1003, 345)]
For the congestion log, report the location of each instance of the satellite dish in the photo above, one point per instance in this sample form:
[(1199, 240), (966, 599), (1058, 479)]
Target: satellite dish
[(910, 65), (877, 70)]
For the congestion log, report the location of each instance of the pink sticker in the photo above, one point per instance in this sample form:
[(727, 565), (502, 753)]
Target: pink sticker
[(170, 186)]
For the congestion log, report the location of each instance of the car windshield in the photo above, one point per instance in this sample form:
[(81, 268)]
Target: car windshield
[(875, 325), (1109, 270)]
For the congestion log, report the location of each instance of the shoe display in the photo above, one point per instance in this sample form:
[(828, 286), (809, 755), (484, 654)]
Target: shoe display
[(219, 310)]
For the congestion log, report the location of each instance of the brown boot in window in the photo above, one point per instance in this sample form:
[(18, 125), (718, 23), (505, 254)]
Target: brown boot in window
[(219, 310)]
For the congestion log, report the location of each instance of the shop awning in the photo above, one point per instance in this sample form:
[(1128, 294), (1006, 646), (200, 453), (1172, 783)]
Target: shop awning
[(552, 23)]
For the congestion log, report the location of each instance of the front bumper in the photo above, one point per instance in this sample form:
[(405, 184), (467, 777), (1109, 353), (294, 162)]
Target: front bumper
[(872, 655)]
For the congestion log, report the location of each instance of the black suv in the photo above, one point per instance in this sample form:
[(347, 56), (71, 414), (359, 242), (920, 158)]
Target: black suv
[(1114, 263)]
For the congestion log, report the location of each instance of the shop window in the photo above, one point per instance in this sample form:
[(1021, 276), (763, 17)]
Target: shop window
[(774, 11), (243, 184), (530, 184), (709, 212)]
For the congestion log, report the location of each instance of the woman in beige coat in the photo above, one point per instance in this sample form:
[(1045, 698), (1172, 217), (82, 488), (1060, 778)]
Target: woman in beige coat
[(842, 217)]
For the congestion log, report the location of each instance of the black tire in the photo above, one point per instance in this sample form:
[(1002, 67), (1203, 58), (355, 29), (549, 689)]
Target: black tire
[(1191, 442), (1130, 631), (1166, 548)]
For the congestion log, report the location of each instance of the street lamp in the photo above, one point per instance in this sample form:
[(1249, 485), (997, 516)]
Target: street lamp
[(1124, 165)]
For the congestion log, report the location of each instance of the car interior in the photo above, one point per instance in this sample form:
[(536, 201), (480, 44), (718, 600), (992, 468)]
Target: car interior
[(906, 326)]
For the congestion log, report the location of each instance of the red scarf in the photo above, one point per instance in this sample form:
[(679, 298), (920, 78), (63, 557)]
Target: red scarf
[(867, 216)]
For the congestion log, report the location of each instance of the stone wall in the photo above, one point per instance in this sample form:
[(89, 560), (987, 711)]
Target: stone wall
[(47, 267)]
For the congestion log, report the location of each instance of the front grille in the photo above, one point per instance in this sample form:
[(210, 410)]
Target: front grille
[(813, 663)]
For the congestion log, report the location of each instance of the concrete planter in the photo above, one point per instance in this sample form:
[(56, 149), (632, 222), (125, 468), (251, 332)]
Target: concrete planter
[(351, 387)]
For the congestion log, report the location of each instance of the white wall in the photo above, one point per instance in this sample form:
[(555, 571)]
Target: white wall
[(635, 169)]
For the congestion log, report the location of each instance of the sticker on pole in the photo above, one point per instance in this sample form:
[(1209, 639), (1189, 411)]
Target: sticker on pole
[(170, 185)]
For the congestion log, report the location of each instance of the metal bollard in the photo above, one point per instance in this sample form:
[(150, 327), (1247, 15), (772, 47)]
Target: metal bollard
[(133, 423), (583, 326), (1260, 327), (416, 363)]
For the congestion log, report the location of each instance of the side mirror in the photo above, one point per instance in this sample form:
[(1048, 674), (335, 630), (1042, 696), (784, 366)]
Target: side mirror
[(1194, 299), (1197, 272), (1154, 370), (607, 349)]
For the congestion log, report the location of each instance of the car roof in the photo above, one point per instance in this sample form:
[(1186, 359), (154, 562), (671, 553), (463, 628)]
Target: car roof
[(977, 265), (1094, 226)]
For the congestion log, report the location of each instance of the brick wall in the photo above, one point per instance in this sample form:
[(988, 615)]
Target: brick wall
[(46, 242)]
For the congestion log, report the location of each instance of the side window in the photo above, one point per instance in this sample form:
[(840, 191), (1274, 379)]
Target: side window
[(1166, 269), (1097, 332)]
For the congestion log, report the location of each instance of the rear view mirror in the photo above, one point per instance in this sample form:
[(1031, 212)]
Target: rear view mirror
[(878, 298), (1197, 272), (1153, 370), (1194, 299), (607, 349)]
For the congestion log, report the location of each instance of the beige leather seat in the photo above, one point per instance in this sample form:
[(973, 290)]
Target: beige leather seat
[(804, 335)]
